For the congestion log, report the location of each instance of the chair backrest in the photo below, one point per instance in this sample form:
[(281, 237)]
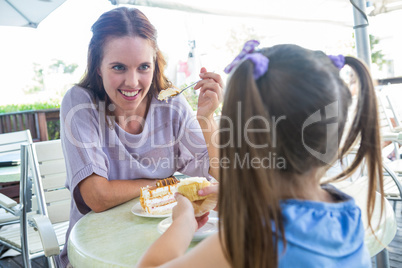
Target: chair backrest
[(389, 113), (384, 114), (49, 172), (11, 142), (10, 155)]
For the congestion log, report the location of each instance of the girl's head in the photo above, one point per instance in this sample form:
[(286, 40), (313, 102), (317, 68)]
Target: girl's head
[(286, 121), (300, 103), (121, 23)]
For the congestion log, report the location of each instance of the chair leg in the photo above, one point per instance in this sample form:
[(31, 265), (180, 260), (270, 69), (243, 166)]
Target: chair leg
[(26, 260), (382, 259), (23, 200), (52, 263)]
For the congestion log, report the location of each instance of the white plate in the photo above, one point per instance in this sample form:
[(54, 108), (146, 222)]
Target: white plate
[(137, 210), (208, 229)]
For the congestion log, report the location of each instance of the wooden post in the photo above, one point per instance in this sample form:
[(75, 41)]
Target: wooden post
[(42, 125)]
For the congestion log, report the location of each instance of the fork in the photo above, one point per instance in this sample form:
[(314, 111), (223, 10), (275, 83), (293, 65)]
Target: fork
[(181, 91)]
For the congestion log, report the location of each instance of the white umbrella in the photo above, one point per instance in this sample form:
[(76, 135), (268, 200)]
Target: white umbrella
[(26, 13)]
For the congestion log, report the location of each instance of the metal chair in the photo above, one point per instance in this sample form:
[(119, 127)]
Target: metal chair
[(10, 156), (44, 214)]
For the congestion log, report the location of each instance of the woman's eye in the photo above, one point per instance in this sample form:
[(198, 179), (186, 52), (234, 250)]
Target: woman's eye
[(144, 67), (118, 67)]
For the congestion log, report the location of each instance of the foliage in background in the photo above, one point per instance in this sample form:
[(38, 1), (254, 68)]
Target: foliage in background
[(377, 56), (53, 126), (58, 66), (53, 129), (38, 80), (51, 104)]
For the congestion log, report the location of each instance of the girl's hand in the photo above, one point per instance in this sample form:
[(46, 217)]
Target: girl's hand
[(184, 210), (212, 189), (211, 93)]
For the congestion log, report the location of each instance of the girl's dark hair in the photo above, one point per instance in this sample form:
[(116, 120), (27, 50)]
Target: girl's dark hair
[(116, 23), (299, 108)]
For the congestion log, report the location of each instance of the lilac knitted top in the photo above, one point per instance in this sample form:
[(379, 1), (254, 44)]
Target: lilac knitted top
[(171, 141)]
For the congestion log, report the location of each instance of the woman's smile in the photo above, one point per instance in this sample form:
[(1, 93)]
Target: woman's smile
[(130, 94)]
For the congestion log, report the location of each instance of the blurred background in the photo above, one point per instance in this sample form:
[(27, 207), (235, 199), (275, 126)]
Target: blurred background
[(39, 63)]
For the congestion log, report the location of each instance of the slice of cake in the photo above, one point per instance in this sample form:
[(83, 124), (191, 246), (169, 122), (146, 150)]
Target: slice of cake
[(159, 199), (189, 187), (169, 92)]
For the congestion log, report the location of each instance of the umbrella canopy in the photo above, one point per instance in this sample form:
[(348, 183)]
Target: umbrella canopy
[(26, 13), (338, 12), (321, 11)]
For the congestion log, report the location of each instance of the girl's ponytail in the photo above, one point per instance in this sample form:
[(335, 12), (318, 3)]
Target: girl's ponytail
[(365, 126), (246, 193)]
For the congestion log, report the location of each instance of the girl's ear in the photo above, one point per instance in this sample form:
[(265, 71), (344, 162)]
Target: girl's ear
[(99, 72)]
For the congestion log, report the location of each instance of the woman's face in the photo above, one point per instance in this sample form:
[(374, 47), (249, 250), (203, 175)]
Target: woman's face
[(127, 69)]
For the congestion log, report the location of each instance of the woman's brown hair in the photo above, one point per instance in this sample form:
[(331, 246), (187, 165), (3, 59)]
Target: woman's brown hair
[(116, 23), (268, 118)]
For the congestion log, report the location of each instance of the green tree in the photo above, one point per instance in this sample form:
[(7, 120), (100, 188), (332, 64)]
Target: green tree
[(377, 57), (38, 79), (60, 66)]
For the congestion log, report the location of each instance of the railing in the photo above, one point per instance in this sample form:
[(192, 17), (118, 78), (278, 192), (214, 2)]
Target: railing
[(36, 121), (392, 80)]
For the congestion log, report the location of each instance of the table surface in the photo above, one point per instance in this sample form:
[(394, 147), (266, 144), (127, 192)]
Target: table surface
[(118, 238), (113, 238)]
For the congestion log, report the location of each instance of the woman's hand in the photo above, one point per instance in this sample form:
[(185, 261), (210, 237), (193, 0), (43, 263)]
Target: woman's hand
[(211, 93)]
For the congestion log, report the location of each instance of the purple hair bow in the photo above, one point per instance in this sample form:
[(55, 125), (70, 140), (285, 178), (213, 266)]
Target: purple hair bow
[(260, 61), (337, 60)]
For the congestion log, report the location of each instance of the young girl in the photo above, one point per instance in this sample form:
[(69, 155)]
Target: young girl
[(282, 125)]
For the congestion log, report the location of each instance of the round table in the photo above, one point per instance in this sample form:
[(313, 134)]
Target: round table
[(118, 238), (113, 238)]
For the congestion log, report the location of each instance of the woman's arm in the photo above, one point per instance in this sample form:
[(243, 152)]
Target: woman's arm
[(101, 194), (211, 95)]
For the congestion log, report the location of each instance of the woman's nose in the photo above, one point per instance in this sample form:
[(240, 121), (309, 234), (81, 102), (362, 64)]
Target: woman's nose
[(131, 79)]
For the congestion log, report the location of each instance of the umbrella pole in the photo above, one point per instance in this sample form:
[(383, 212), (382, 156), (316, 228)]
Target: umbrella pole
[(361, 35)]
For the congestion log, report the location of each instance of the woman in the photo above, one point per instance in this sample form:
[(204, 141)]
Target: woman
[(117, 137)]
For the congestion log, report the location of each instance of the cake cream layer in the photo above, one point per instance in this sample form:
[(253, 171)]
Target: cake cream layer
[(159, 201), (166, 209), (149, 192)]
